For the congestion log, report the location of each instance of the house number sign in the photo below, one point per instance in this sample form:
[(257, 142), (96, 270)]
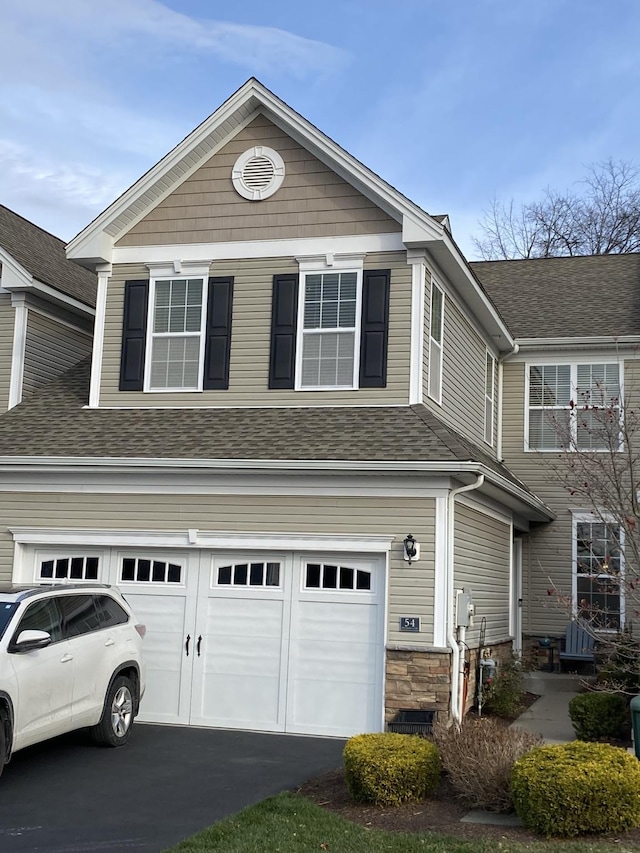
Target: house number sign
[(409, 623)]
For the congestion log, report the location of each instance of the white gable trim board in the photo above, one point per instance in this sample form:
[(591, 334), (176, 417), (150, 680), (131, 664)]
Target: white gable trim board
[(279, 634)]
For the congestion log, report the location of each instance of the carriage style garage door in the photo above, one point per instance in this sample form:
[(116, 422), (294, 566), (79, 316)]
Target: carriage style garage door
[(270, 642)]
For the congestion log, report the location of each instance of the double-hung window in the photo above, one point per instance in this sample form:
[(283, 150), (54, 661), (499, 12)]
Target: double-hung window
[(598, 572), (436, 331), (489, 385), (574, 406), (329, 328), (176, 334)]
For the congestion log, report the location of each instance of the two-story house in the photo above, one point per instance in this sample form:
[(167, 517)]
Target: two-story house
[(287, 447), (46, 309)]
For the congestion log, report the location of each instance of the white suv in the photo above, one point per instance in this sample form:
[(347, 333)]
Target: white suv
[(70, 657)]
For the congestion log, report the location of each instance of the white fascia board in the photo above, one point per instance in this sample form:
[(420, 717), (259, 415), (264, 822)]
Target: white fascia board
[(15, 278), (202, 539), (601, 342), (95, 248), (237, 250)]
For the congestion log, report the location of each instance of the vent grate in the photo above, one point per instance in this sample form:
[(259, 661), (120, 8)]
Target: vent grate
[(258, 173)]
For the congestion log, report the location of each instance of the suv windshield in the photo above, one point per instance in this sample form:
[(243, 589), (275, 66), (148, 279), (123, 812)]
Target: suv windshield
[(7, 609)]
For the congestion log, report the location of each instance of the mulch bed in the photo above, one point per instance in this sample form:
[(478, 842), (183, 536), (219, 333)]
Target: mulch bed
[(440, 814)]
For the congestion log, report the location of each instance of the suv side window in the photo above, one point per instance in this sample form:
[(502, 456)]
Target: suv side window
[(41, 616), (79, 615), (110, 612)]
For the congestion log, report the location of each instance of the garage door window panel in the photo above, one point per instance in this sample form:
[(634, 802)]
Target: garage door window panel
[(249, 574), (328, 576), (69, 568), (146, 570)]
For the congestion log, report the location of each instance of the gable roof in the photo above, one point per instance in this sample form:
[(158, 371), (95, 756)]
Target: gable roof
[(200, 437), (95, 244), (568, 297), (43, 256)]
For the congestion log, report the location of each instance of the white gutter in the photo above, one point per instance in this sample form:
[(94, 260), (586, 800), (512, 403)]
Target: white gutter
[(456, 661), (591, 341)]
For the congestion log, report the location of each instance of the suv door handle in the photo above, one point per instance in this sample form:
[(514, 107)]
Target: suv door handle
[(66, 658), (110, 642)]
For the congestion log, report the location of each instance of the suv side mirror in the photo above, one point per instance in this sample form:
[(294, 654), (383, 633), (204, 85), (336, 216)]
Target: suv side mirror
[(27, 641)]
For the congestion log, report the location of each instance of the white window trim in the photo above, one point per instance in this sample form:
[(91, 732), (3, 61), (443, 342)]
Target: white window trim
[(320, 264), (573, 362), (594, 518), (175, 270), (489, 400), (437, 398)]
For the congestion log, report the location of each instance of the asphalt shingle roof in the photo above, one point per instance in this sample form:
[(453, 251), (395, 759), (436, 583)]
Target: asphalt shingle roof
[(595, 295), (43, 255), (52, 422)]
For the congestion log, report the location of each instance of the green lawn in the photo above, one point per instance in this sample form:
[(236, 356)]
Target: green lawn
[(292, 824)]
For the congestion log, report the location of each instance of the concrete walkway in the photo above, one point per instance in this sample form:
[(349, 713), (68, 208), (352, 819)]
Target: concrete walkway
[(549, 715)]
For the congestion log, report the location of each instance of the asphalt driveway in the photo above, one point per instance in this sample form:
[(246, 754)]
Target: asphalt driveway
[(67, 796)]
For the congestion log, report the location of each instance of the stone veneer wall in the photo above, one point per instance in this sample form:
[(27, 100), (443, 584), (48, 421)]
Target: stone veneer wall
[(421, 680), (417, 680)]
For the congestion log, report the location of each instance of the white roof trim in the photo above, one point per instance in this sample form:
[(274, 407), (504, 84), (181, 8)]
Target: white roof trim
[(15, 278), (73, 464)]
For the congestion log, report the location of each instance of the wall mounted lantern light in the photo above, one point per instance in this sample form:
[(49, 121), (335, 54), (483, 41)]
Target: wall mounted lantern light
[(411, 549)]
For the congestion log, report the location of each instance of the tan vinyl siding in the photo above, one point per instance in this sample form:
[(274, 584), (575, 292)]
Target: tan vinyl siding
[(463, 374), (411, 587), (312, 202), (482, 554), (50, 349), (547, 551), (251, 341), (7, 317)]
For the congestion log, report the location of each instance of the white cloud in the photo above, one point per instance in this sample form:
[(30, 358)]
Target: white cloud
[(259, 48)]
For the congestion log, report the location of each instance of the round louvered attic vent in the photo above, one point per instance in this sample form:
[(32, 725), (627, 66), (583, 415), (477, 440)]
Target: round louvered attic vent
[(258, 173)]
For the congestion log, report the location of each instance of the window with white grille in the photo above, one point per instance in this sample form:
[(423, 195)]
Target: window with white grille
[(436, 332), (489, 386), (145, 570), (574, 407), (599, 588), (327, 576), (177, 339), (69, 568), (330, 331), (249, 574)]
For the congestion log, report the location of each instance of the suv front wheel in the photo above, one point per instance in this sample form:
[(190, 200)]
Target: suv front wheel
[(114, 728)]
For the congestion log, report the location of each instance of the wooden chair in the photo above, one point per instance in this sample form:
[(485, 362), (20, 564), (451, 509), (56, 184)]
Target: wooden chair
[(578, 645)]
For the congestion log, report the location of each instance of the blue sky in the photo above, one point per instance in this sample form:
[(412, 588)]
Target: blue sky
[(454, 102)]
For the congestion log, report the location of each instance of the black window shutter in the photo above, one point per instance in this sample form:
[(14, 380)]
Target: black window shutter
[(217, 346), (134, 335), (375, 328), (284, 319)]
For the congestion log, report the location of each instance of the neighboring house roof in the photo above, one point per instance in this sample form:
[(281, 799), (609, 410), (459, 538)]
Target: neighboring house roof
[(339, 433), (568, 297), (43, 256)]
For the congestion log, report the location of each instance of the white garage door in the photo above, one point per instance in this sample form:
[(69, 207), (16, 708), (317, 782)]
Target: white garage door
[(270, 642)]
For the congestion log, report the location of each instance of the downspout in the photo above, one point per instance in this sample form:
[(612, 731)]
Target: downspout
[(501, 361), (457, 653)]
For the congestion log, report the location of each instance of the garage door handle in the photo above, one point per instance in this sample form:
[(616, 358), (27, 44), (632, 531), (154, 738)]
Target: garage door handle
[(186, 645), (198, 646)]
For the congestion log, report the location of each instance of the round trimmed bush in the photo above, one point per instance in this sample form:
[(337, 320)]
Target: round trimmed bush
[(599, 716), (389, 769), (577, 788)]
